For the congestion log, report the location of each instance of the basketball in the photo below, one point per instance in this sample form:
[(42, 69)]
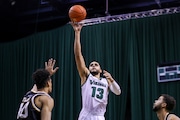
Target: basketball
[(77, 13)]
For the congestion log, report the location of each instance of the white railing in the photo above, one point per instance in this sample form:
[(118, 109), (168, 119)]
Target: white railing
[(135, 15)]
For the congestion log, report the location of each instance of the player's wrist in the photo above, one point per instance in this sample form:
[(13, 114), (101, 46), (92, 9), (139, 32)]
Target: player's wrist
[(115, 88), (111, 80), (77, 32)]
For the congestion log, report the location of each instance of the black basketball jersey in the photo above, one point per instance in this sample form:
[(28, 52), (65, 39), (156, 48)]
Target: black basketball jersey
[(28, 109)]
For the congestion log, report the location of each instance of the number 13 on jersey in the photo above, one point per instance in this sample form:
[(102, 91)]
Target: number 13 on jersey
[(97, 92)]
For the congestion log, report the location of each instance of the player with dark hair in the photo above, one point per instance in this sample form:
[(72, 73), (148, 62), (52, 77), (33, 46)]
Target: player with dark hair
[(95, 89), (163, 106), (37, 104)]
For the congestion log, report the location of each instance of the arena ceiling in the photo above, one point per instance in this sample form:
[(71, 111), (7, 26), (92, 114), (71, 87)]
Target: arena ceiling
[(20, 18)]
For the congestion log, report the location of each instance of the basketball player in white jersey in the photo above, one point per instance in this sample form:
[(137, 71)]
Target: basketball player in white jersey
[(95, 89), (163, 106)]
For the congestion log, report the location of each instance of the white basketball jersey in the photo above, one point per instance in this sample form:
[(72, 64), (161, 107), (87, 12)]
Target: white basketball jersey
[(94, 97)]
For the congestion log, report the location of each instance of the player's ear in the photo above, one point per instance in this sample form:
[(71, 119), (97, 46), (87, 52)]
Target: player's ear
[(164, 105), (48, 83)]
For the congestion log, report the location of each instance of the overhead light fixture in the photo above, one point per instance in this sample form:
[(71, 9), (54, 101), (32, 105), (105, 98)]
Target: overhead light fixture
[(12, 2), (158, 3)]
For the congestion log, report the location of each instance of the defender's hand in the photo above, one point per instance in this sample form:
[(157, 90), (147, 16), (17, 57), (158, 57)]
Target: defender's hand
[(49, 66)]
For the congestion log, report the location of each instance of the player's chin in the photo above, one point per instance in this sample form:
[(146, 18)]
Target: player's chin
[(154, 105), (94, 72), (50, 91)]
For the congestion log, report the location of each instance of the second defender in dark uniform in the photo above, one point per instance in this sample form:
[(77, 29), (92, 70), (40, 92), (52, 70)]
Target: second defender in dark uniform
[(28, 109), (37, 104)]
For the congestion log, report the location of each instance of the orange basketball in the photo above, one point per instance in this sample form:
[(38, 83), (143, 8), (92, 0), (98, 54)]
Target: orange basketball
[(77, 13)]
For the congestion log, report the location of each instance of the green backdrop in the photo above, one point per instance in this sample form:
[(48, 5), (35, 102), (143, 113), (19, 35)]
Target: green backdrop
[(130, 50)]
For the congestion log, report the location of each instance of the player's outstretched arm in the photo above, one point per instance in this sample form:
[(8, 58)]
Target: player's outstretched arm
[(80, 63)]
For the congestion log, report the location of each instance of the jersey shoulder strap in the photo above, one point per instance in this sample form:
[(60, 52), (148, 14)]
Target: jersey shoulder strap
[(33, 99), (167, 116)]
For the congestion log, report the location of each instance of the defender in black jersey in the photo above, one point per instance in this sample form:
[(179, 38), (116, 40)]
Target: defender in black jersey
[(163, 106), (28, 110), (37, 104)]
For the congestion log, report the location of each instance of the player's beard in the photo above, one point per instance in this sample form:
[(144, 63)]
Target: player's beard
[(157, 108), (94, 73)]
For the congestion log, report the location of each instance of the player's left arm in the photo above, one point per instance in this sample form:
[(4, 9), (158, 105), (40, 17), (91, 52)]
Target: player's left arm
[(114, 87)]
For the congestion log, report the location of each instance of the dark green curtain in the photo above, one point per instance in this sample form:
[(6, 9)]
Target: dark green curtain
[(154, 40), (130, 50)]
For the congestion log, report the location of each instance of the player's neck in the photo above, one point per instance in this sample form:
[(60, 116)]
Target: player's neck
[(43, 90), (97, 76), (162, 114)]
